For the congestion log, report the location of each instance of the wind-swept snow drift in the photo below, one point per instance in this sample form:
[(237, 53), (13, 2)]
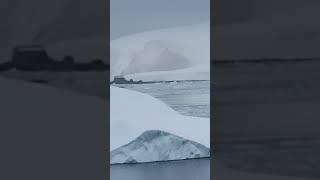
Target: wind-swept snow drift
[(155, 145), (132, 113), (167, 54)]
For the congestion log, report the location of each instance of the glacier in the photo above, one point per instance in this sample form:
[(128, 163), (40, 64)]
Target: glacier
[(179, 53)]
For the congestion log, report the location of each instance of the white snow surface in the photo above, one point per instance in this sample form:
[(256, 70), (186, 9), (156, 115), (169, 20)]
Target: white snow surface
[(132, 113), (180, 53), (155, 145)]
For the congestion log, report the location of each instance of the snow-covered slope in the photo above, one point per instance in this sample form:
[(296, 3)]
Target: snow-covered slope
[(132, 113), (173, 53), (155, 145), (200, 72)]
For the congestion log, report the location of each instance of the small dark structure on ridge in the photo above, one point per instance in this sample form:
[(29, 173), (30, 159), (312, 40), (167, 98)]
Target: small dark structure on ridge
[(122, 80), (32, 57)]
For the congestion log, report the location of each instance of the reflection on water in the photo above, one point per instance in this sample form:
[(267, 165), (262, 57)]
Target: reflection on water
[(191, 98), (195, 169)]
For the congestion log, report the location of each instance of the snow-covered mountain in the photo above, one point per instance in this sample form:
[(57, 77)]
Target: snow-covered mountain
[(181, 53), (132, 113), (156, 145)]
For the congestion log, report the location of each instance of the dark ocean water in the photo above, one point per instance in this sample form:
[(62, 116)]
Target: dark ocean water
[(190, 98), (195, 169)]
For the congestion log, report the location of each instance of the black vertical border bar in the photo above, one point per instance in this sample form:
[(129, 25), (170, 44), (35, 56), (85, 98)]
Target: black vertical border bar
[(107, 146), (212, 119)]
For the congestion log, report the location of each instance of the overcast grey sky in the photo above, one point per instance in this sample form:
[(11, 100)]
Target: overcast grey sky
[(133, 16)]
